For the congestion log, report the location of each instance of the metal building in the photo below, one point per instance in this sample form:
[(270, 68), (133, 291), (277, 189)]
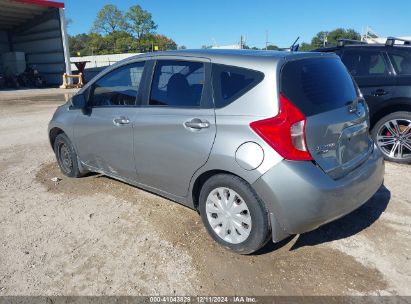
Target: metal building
[(37, 28)]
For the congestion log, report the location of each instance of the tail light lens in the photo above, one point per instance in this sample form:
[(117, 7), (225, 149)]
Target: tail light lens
[(285, 132)]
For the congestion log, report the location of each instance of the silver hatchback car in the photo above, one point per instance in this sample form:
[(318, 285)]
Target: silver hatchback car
[(262, 144)]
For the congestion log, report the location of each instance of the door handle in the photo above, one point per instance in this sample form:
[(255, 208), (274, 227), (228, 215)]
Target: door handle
[(119, 121), (197, 124), (380, 92)]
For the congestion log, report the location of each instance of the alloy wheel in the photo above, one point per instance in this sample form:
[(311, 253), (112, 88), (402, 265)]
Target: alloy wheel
[(394, 138)]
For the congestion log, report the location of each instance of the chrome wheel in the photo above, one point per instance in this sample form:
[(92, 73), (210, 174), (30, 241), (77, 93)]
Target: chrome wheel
[(228, 215), (394, 138)]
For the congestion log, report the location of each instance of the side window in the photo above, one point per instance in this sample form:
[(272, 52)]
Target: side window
[(177, 83), (229, 83), (364, 63), (119, 87), (401, 63), (377, 64)]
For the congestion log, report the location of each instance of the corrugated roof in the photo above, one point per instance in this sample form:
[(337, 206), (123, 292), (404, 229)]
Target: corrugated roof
[(45, 3), (14, 13)]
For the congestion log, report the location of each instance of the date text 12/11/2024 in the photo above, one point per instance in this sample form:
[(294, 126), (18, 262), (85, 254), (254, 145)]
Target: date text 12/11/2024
[(202, 299)]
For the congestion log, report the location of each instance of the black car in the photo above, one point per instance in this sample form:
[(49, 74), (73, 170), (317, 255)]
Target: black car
[(383, 73)]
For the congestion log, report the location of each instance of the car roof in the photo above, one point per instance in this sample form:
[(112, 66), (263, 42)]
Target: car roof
[(220, 54)]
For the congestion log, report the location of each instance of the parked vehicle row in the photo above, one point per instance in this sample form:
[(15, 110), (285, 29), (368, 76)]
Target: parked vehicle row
[(262, 145)]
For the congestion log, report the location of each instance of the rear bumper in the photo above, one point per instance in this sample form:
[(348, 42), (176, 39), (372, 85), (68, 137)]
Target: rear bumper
[(301, 197)]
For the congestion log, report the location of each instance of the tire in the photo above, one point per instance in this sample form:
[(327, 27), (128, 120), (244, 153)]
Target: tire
[(66, 156), (250, 222), (384, 132)]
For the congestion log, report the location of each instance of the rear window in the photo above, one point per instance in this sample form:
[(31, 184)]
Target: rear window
[(229, 83), (317, 85)]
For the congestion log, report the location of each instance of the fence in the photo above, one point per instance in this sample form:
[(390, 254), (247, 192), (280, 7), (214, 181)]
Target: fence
[(99, 61)]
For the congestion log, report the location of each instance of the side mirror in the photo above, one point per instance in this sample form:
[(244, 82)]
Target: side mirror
[(79, 101)]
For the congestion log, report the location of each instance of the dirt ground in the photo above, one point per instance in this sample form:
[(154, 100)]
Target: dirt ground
[(98, 236)]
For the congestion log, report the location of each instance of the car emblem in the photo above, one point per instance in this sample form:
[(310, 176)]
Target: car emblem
[(325, 148)]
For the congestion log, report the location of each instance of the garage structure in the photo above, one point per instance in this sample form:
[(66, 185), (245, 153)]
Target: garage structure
[(38, 29)]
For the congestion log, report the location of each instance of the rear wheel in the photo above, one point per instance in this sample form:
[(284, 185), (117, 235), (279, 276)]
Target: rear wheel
[(66, 156), (233, 214), (392, 134)]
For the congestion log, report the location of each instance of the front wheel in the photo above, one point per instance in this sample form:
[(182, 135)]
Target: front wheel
[(233, 214), (66, 156), (392, 134)]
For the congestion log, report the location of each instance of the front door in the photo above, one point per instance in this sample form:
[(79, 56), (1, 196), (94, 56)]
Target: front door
[(104, 135), (175, 131)]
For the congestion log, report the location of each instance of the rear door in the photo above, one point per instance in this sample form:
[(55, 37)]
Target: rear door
[(176, 128), (337, 123), (373, 74), (400, 59)]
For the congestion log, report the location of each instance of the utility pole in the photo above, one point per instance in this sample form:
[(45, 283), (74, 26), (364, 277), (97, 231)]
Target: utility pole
[(324, 39), (241, 41)]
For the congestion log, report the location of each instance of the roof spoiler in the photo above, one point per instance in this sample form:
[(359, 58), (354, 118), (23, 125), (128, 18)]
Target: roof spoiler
[(391, 41), (342, 42)]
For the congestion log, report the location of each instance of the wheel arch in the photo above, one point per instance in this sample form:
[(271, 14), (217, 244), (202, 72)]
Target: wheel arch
[(201, 179), (53, 133), (393, 106)]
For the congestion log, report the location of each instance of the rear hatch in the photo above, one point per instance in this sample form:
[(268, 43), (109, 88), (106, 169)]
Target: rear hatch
[(337, 118)]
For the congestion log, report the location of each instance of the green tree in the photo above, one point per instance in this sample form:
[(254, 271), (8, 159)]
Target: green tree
[(148, 42), (305, 47), (139, 22), (330, 38), (272, 47), (78, 43), (319, 40), (98, 45), (109, 19), (114, 33), (341, 33), (124, 42)]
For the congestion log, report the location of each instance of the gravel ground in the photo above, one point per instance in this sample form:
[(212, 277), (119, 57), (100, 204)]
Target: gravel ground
[(98, 236)]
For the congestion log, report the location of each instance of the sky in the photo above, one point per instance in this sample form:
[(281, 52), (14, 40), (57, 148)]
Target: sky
[(194, 23)]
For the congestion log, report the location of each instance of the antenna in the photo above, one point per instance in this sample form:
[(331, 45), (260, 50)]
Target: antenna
[(294, 46)]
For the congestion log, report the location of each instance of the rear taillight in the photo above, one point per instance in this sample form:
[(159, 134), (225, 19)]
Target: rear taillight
[(285, 132)]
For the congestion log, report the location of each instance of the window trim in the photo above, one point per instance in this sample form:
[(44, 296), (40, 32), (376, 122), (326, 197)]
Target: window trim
[(206, 100), (239, 94), (90, 99)]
